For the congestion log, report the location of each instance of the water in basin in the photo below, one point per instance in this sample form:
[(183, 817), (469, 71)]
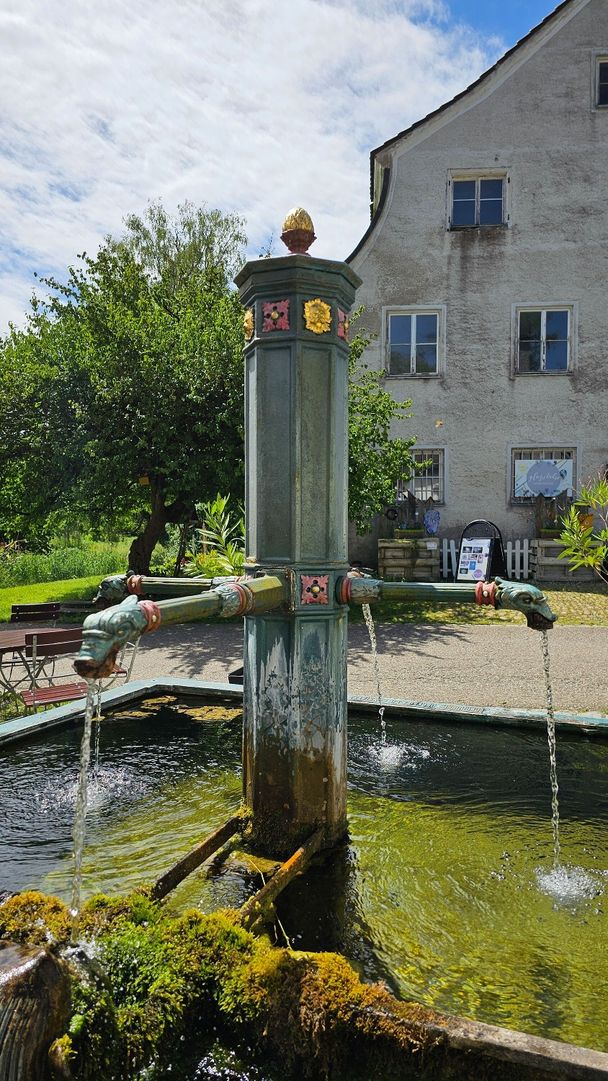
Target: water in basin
[(440, 890)]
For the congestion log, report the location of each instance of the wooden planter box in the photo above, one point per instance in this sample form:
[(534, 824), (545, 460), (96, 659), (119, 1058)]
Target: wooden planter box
[(412, 560), (546, 566)]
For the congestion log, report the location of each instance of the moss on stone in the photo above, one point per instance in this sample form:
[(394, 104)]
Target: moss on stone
[(154, 976), (61, 1054), (33, 917), (101, 913)]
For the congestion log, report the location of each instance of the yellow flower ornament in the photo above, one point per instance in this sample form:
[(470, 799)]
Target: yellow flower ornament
[(248, 325), (317, 316)]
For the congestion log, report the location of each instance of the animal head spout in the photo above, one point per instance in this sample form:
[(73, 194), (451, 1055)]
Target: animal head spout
[(528, 599)]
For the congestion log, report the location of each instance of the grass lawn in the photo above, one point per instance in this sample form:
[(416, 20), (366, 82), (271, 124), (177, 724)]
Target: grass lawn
[(73, 589)]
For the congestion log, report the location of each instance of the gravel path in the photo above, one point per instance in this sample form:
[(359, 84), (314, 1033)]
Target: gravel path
[(452, 663)]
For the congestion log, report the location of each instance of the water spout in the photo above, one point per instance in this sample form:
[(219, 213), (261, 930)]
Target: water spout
[(81, 800), (371, 630), (517, 596), (551, 739)]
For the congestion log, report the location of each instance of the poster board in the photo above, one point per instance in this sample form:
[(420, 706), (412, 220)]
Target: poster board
[(474, 559)]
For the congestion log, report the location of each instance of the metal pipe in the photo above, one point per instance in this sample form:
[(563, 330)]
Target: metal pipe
[(181, 609), (517, 596), (105, 632), (170, 587), (115, 587), (256, 595)]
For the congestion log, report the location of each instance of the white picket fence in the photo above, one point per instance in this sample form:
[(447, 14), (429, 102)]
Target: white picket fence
[(517, 554)]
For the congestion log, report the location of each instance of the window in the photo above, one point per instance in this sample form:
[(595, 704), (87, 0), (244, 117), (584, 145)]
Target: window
[(478, 200), (428, 481), (541, 471), (601, 96), (412, 339), (543, 340)]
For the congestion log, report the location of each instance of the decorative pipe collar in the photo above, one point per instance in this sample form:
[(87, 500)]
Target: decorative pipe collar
[(236, 599), (134, 584), (485, 593), (358, 590), (153, 615)]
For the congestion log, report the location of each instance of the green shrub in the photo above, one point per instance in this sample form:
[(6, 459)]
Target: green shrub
[(209, 565), (218, 548), (11, 706)]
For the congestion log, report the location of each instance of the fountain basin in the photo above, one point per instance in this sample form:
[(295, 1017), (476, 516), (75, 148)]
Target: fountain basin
[(587, 723), (438, 890)]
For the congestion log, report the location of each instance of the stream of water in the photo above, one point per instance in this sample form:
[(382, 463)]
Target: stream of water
[(80, 810), (566, 884), (551, 739), (93, 705), (371, 630)]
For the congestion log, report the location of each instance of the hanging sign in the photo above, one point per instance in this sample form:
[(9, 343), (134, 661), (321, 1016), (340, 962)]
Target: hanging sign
[(473, 559)]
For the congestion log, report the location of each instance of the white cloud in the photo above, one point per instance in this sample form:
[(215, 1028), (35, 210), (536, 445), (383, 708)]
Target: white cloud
[(251, 106)]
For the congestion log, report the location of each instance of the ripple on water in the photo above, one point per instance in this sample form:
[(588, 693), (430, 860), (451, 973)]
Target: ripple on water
[(568, 886), (390, 755), (105, 785)]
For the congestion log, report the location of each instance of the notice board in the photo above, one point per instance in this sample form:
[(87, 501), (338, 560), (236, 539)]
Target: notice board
[(474, 558)]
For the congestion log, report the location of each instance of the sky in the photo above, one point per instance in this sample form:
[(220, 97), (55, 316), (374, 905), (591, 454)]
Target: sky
[(252, 106)]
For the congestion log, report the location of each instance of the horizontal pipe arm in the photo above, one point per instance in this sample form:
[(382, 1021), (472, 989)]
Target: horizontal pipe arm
[(114, 588), (105, 632), (517, 596)]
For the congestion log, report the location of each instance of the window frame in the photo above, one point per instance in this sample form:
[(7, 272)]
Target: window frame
[(478, 175), (543, 307), (389, 310), (597, 59), (409, 485), (548, 452)]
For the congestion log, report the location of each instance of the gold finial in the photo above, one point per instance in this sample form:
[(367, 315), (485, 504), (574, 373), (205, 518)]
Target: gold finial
[(298, 231)]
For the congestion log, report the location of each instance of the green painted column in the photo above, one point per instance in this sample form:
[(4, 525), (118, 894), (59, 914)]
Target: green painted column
[(294, 754)]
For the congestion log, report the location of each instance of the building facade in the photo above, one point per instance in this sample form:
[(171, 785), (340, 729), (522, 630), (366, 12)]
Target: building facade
[(485, 277)]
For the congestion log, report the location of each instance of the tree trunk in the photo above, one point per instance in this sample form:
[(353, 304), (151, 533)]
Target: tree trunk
[(140, 552)]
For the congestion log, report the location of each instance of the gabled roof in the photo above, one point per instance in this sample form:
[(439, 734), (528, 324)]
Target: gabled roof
[(375, 213), (482, 78)]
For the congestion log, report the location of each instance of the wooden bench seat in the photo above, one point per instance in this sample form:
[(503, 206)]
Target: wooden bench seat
[(42, 650), (58, 692), (35, 613)]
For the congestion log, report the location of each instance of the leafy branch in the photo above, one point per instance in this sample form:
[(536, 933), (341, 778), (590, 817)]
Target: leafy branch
[(585, 529)]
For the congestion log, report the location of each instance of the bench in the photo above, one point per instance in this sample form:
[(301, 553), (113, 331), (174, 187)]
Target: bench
[(60, 692), (35, 613), (46, 646)]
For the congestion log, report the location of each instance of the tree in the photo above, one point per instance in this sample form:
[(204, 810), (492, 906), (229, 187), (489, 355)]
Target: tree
[(376, 460), (124, 393), (585, 529), (121, 403)]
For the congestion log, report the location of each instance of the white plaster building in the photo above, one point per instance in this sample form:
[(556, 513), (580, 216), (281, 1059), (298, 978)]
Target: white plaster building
[(485, 274)]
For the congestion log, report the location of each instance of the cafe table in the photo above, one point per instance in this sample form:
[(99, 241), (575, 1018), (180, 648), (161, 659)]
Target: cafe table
[(15, 667)]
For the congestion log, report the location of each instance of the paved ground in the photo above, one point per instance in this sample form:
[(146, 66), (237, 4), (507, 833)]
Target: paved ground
[(469, 665)]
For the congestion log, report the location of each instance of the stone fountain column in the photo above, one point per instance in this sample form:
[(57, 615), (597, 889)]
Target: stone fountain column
[(294, 754)]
